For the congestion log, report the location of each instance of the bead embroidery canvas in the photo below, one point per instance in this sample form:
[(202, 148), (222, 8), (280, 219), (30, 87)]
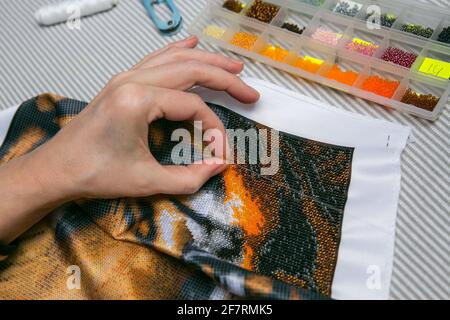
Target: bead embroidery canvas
[(242, 235)]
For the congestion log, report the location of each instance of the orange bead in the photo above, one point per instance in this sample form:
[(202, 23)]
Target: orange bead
[(244, 40), (346, 77), (307, 65), (275, 53), (380, 86)]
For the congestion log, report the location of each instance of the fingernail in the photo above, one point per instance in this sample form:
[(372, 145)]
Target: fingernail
[(220, 168), (216, 165), (190, 38), (185, 39), (236, 61), (254, 90)]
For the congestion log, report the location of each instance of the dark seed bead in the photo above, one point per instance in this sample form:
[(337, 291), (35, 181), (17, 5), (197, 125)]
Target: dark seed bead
[(444, 36), (423, 101), (233, 5), (386, 20), (292, 27), (418, 30), (343, 7), (263, 11), (316, 3)]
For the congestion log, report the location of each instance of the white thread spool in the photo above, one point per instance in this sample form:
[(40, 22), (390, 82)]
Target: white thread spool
[(63, 11)]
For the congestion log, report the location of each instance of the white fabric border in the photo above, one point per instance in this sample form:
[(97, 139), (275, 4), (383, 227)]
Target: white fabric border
[(366, 251), (6, 117), (368, 231)]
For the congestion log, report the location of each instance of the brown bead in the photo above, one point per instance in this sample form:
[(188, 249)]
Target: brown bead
[(233, 5), (263, 11), (423, 101)]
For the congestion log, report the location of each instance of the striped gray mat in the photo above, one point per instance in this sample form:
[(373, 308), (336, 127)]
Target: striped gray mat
[(78, 63)]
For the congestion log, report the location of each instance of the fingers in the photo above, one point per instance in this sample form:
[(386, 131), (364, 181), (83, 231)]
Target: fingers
[(185, 75), (176, 54), (176, 105), (185, 180), (190, 42)]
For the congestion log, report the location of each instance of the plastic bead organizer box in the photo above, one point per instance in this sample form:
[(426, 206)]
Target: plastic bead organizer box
[(403, 64)]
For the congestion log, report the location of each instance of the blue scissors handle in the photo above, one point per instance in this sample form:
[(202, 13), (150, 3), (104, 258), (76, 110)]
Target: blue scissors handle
[(163, 26)]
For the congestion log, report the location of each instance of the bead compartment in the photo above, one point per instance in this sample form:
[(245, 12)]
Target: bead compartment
[(311, 57), (315, 3), (442, 34), (399, 50), (262, 10), (417, 91), (434, 61), (380, 82), (348, 8), (271, 47), (364, 41), (415, 22), (235, 6), (244, 37), (215, 27), (327, 29), (300, 19), (343, 70)]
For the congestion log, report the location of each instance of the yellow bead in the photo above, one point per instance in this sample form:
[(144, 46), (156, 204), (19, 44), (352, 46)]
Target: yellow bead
[(214, 31)]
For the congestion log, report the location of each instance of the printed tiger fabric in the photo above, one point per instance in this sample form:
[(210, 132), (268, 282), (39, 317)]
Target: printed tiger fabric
[(243, 235)]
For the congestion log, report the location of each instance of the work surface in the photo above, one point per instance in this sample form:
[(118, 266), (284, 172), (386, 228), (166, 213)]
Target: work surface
[(77, 64)]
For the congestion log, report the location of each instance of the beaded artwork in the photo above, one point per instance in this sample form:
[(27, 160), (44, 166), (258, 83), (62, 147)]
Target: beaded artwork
[(242, 235)]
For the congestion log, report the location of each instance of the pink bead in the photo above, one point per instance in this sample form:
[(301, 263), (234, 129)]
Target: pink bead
[(365, 49), (324, 35)]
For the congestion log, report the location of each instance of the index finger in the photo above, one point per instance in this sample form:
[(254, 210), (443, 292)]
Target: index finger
[(185, 75)]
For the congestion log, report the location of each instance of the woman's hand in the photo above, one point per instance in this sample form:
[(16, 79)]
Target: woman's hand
[(103, 152)]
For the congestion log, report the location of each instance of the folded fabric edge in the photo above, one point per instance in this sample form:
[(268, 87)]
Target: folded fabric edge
[(6, 117)]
